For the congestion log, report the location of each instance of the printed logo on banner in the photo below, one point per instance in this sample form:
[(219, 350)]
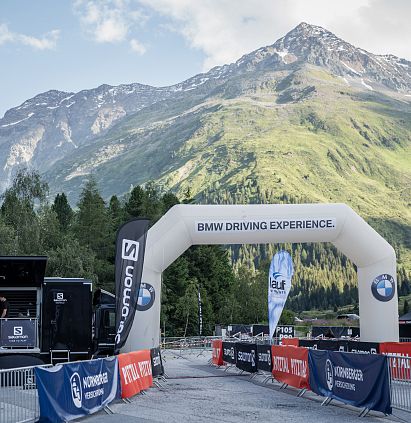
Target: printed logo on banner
[(383, 287), (329, 374), (146, 297), (76, 391), (129, 250), (59, 298), (247, 357), (18, 330), (229, 352)]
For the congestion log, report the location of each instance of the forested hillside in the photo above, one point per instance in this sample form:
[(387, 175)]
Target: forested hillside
[(233, 281)]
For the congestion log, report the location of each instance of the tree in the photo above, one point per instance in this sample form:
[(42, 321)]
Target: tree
[(18, 209), (136, 204), (92, 229), (406, 307), (63, 211)]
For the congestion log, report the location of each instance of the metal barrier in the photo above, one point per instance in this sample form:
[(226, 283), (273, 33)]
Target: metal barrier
[(400, 377), (18, 395)]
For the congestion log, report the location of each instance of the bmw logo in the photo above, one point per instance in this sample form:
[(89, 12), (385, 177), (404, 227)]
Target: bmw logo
[(383, 287), (146, 297)]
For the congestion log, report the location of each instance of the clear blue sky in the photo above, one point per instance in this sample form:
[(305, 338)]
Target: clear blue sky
[(71, 45)]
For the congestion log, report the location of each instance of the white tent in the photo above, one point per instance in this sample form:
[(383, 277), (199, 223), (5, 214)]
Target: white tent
[(186, 225)]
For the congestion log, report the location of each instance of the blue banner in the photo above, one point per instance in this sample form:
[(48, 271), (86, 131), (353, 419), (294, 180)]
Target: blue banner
[(279, 285), (356, 379), (69, 391)]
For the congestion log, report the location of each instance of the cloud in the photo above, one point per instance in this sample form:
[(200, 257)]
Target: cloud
[(110, 21), (47, 42), (226, 29), (137, 47)]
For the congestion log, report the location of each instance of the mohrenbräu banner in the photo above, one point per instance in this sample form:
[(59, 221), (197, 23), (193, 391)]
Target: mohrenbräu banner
[(130, 247), (279, 285)]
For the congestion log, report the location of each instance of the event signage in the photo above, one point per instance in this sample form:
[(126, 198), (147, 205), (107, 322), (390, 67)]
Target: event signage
[(246, 356), (363, 347), (217, 352), (213, 226), (229, 355), (146, 297), (283, 331), (18, 332), (290, 365), (279, 285), (135, 372), (337, 331), (264, 357), (399, 356), (156, 362), (73, 390), (356, 379), (130, 247), (383, 287)]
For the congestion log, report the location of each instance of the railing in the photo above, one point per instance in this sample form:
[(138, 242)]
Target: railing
[(400, 377), (18, 395)]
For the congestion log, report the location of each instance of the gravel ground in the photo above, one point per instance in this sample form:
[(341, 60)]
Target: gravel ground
[(196, 392)]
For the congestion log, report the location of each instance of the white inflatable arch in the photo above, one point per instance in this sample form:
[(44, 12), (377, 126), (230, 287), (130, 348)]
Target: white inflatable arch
[(186, 225)]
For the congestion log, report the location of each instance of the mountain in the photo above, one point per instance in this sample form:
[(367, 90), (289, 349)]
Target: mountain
[(308, 118)]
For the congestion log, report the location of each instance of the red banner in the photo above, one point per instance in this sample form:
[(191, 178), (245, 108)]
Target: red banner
[(291, 341), (290, 365), (218, 352), (400, 367), (135, 372)]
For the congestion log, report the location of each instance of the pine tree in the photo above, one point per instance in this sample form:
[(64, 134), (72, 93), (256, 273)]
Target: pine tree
[(63, 211)]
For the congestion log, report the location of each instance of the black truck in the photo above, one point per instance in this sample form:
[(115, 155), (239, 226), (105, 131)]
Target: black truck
[(51, 320)]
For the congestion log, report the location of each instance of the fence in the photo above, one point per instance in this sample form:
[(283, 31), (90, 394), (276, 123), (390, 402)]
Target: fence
[(18, 395), (400, 372)]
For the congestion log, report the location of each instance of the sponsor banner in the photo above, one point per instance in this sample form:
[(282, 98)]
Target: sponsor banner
[(279, 285), (309, 343), (156, 362), (399, 356), (130, 247), (135, 372), (291, 341), (264, 361), (18, 332), (283, 331), (263, 225), (217, 345), (260, 329), (229, 354), (363, 347), (290, 365), (324, 344), (356, 379), (246, 356), (337, 331), (69, 391)]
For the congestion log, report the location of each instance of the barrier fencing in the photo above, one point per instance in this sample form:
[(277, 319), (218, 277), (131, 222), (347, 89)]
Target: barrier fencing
[(290, 369), (18, 395), (400, 372)]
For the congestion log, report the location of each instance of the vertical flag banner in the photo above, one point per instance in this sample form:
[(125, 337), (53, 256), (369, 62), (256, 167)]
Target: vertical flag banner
[(279, 284), (130, 247)]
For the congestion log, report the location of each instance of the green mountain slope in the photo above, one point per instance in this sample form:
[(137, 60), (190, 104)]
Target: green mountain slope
[(304, 132)]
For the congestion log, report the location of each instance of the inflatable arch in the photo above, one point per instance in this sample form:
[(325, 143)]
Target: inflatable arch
[(186, 225)]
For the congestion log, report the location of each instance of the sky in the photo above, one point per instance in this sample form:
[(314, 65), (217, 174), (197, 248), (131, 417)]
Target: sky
[(70, 45)]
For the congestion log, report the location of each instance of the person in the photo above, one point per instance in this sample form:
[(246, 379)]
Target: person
[(4, 307)]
